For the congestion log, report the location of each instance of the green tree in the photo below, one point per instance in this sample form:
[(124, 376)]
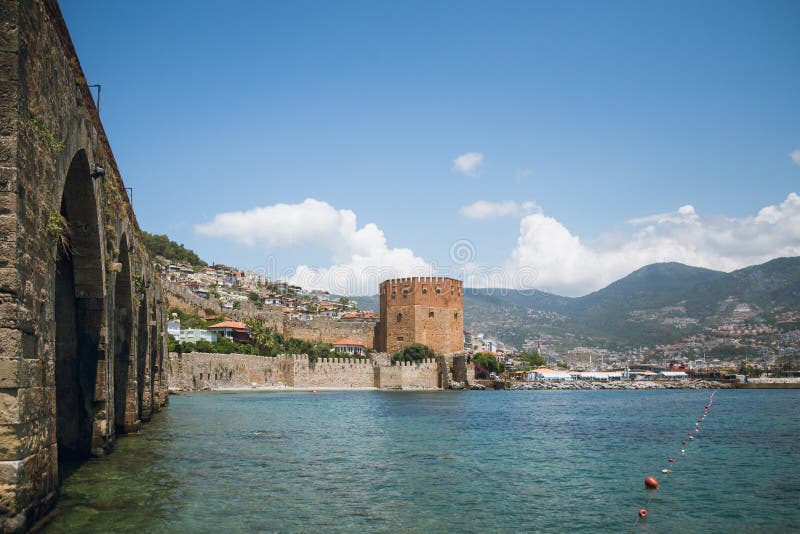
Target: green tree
[(413, 353), (488, 361), (532, 358), (205, 346), (161, 245)]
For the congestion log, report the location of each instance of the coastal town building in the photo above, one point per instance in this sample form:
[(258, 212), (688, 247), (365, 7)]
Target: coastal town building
[(349, 346), (236, 331)]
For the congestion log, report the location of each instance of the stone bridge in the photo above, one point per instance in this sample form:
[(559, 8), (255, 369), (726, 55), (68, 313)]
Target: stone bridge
[(82, 340)]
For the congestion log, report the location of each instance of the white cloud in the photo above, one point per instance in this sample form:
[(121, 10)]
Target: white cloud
[(566, 264), (795, 155), (485, 209), (360, 257), (468, 163)]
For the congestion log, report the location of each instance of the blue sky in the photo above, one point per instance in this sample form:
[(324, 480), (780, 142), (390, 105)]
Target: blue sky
[(598, 113)]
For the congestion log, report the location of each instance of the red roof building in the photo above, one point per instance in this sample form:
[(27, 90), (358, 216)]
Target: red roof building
[(238, 332)]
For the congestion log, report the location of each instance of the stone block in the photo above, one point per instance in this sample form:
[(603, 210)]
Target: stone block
[(34, 467), (8, 179), (26, 404), (22, 439), (9, 65), (9, 280), (8, 203), (10, 344), (9, 36), (8, 314), (9, 10), (101, 383)]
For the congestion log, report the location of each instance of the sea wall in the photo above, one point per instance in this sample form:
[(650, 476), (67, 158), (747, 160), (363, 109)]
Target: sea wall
[(409, 375), (334, 373), (197, 371)]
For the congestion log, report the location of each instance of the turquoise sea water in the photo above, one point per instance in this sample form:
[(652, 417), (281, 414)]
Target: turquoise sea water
[(517, 461)]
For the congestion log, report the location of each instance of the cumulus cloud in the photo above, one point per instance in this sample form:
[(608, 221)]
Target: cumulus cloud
[(795, 155), (485, 209), (360, 257), (468, 163), (562, 262)]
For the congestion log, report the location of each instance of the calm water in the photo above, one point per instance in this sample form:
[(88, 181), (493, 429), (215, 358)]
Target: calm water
[(544, 461)]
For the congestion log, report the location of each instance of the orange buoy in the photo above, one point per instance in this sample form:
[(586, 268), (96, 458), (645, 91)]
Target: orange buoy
[(651, 482), (314, 391), (643, 513)]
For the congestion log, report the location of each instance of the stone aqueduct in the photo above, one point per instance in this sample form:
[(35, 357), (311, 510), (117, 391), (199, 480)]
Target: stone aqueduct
[(82, 343)]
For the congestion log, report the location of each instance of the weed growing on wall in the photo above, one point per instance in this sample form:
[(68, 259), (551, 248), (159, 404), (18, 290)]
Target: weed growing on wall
[(59, 231)]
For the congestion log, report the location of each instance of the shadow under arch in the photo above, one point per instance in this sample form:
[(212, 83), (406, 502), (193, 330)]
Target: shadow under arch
[(125, 412), (78, 311)]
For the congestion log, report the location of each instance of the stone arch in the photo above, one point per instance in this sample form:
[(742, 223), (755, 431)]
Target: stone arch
[(78, 312), (124, 359)]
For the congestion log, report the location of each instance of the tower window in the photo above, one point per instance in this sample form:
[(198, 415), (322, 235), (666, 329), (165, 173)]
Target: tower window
[(405, 293), (399, 317), (455, 315), (424, 290), (430, 313), (438, 290)]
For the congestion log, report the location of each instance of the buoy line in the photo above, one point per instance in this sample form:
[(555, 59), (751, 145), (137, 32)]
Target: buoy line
[(651, 483)]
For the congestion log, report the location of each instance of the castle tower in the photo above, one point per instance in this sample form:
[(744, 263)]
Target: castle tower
[(426, 310)]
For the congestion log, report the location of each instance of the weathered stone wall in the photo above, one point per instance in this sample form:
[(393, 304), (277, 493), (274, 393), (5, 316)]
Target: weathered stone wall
[(339, 373), (202, 370), (410, 375), (329, 331), (422, 310), (196, 371), (81, 320)]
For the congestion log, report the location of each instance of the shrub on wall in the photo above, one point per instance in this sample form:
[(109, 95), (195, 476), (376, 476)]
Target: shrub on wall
[(413, 353)]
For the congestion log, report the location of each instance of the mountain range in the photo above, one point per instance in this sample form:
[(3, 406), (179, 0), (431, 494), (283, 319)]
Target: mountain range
[(660, 303)]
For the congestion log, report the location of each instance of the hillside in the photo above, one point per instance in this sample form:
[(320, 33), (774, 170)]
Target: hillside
[(162, 245)]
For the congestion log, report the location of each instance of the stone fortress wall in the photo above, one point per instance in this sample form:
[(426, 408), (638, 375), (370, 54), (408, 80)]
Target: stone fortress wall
[(197, 371), (329, 330)]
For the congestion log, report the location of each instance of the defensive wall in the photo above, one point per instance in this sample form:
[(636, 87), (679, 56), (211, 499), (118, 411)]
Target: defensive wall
[(426, 310), (197, 371), (82, 325), (327, 330)]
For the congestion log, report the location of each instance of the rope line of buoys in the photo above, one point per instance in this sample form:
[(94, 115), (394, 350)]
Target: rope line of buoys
[(651, 483)]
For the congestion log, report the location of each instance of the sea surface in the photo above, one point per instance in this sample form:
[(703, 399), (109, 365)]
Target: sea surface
[(515, 461)]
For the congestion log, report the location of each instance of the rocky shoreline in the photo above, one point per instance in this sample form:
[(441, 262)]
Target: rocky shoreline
[(637, 384)]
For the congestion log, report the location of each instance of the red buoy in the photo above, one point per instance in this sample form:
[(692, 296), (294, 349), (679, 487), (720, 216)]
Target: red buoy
[(651, 482), (672, 460), (643, 513)]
